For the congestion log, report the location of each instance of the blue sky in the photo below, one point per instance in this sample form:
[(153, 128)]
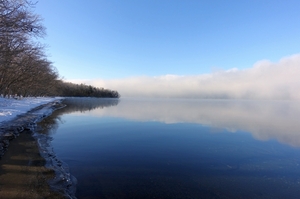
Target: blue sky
[(121, 39)]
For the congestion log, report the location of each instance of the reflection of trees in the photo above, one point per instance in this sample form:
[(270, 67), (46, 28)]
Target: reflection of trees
[(81, 104), (64, 181), (50, 124)]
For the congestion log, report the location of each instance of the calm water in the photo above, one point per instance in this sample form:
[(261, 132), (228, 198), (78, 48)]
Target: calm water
[(178, 148)]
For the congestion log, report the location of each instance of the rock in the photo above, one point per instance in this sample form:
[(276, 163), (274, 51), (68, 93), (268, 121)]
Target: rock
[(6, 143), (20, 129), (9, 136)]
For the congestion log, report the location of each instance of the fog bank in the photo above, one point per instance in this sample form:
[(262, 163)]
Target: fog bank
[(265, 80)]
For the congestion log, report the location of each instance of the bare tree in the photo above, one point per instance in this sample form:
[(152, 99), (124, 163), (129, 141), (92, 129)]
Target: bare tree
[(24, 67), (16, 16)]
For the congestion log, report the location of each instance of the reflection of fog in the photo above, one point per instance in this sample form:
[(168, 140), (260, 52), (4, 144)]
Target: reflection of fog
[(264, 119)]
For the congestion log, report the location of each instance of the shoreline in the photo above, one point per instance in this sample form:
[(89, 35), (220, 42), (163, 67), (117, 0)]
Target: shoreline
[(22, 171), (22, 168), (11, 129)]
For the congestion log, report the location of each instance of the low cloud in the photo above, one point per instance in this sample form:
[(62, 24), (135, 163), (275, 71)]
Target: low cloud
[(265, 80)]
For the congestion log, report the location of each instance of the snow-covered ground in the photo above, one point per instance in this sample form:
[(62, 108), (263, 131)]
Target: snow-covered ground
[(10, 108)]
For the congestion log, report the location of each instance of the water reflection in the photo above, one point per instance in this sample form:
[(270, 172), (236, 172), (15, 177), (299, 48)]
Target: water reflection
[(263, 119), (83, 104), (75, 104), (63, 181), (113, 157)]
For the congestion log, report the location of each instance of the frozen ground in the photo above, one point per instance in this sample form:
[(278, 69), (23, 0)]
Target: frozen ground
[(10, 108), (17, 115)]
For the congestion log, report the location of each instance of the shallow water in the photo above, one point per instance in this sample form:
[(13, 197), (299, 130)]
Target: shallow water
[(178, 148)]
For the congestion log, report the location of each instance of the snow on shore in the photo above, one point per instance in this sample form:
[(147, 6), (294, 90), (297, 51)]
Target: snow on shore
[(11, 108)]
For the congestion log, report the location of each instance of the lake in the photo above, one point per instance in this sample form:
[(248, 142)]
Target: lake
[(173, 148)]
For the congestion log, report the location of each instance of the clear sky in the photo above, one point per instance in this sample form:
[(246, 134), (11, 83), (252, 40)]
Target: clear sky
[(121, 39)]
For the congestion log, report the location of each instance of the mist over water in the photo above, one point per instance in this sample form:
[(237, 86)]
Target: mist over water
[(265, 80)]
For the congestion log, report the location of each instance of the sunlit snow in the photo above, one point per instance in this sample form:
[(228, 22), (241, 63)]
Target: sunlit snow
[(10, 108)]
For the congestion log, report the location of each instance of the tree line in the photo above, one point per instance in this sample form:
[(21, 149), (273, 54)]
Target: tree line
[(82, 90), (24, 67)]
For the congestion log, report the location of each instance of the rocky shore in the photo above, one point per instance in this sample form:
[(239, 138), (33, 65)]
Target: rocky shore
[(22, 170), (11, 129)]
